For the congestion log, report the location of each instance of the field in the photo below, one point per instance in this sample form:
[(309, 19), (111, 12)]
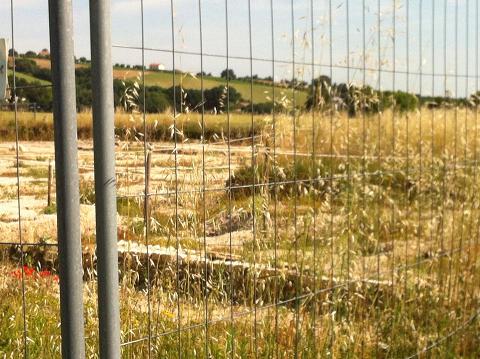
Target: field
[(28, 78), (262, 92), (316, 233)]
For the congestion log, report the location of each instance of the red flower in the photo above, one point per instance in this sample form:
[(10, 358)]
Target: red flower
[(28, 271), (44, 273), (31, 272)]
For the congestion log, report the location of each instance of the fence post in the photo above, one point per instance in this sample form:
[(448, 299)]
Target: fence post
[(147, 184), (66, 163), (49, 193), (105, 191)]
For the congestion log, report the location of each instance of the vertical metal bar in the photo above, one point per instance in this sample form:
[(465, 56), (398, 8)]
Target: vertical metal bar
[(146, 218), (230, 194), (49, 184), (364, 159), (204, 182), (295, 184), (313, 175), (17, 170), (254, 170), (105, 184), (176, 139), (148, 171), (66, 162), (331, 170), (378, 200)]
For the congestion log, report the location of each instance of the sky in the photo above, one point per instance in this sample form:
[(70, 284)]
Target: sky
[(446, 46)]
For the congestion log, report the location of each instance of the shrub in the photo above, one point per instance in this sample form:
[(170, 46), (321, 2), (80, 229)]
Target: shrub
[(32, 92), (260, 108), (155, 100), (399, 100), (283, 173), (405, 101)]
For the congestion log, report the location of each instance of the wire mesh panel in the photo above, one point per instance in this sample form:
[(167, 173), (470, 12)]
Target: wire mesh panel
[(26, 167), (294, 179), (328, 209)]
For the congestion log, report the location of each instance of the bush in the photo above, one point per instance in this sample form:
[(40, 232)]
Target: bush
[(399, 101), (28, 66), (284, 171), (30, 54), (155, 100), (260, 108), (32, 92), (216, 98), (405, 101), (228, 73), (84, 88), (213, 99)]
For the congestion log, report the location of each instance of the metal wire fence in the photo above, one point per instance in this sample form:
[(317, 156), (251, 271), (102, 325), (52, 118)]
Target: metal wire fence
[(317, 199)]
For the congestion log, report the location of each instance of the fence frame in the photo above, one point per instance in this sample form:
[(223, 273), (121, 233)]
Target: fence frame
[(67, 174), (105, 182), (67, 177)]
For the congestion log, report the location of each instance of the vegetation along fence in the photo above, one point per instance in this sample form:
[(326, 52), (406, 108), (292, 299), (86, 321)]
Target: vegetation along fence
[(267, 179)]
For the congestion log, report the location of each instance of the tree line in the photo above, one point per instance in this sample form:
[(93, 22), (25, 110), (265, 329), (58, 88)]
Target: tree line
[(323, 95)]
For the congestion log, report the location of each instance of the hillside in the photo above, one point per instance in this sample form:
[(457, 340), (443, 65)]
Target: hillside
[(28, 77), (262, 90)]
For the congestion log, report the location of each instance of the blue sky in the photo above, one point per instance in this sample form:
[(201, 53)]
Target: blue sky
[(31, 32)]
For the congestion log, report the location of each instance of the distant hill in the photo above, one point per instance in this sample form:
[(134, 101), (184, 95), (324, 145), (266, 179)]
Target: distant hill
[(28, 77), (262, 89)]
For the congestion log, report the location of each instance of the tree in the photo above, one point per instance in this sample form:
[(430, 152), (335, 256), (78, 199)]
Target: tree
[(405, 101), (30, 54), (156, 101), (34, 93), (355, 99), (216, 98), (228, 73), (184, 98), (321, 94), (26, 66), (83, 84), (11, 53), (261, 108)]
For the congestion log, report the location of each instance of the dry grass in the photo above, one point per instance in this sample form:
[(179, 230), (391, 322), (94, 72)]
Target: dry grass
[(401, 210), (159, 126)]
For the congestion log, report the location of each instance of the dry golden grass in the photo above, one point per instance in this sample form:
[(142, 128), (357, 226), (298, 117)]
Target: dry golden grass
[(402, 211)]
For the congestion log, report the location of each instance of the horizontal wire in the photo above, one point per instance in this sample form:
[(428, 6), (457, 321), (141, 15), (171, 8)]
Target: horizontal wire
[(30, 87), (335, 178), (287, 62), (38, 244), (440, 341), (235, 315), (279, 303)]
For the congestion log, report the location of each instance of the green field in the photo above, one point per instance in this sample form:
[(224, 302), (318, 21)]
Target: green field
[(29, 78), (261, 92)]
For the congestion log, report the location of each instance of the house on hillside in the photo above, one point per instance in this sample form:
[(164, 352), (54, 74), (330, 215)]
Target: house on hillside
[(155, 67), (44, 53)]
